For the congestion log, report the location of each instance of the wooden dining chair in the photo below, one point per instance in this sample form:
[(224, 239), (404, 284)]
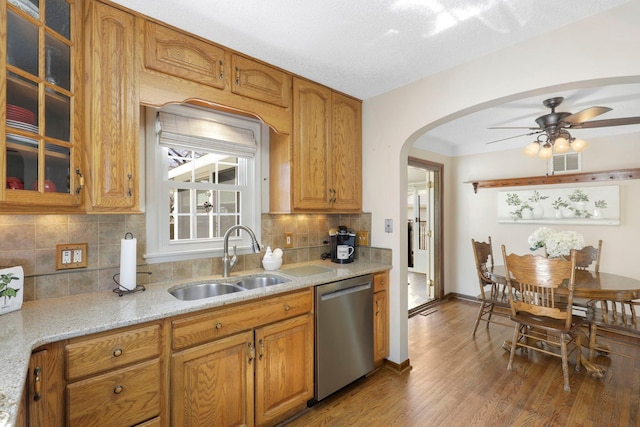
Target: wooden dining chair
[(614, 322), (587, 256), (543, 321), (493, 296)]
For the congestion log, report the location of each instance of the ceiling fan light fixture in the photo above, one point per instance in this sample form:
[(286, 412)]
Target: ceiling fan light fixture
[(532, 149), (546, 152), (561, 145), (578, 144)]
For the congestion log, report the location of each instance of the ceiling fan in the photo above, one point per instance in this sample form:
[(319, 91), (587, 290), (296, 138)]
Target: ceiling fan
[(553, 129)]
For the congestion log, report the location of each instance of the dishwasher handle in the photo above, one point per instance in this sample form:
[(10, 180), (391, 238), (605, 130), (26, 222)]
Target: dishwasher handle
[(343, 292)]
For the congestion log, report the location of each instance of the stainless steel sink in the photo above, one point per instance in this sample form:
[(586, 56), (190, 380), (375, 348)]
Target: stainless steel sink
[(198, 291), (254, 282), (204, 290)]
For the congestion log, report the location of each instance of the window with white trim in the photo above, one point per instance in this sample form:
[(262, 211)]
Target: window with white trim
[(202, 178)]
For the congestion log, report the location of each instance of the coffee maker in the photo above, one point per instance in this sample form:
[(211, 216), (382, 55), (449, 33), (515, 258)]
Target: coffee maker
[(343, 245)]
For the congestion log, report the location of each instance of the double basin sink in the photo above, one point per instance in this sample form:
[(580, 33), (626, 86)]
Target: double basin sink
[(198, 291)]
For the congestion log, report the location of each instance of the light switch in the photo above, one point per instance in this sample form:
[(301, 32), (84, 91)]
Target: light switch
[(66, 257)]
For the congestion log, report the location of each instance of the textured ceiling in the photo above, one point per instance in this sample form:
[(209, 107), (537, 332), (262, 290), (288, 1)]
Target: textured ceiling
[(365, 48), (368, 47)]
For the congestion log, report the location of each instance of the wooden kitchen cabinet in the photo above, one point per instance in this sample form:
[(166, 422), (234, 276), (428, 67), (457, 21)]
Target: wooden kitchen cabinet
[(326, 157), (260, 82), (284, 368), (270, 340), (112, 110), (41, 86), (212, 384), (380, 317), (43, 397), (178, 54), (116, 378)]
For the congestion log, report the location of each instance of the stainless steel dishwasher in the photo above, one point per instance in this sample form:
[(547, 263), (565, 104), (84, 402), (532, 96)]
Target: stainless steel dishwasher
[(344, 333)]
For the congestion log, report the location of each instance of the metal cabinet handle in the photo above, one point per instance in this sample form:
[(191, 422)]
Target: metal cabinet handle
[(261, 349), (221, 70), (117, 352), (237, 75), (130, 192), (252, 352), (37, 383), (218, 325), (80, 185), (118, 389)]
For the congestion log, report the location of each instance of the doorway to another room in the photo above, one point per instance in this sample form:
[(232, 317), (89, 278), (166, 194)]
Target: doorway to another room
[(423, 234)]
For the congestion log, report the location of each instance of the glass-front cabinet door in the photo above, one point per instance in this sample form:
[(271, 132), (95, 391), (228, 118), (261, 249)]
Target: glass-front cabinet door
[(40, 135)]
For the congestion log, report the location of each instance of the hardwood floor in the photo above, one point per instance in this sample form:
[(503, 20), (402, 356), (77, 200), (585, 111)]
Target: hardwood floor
[(459, 381)]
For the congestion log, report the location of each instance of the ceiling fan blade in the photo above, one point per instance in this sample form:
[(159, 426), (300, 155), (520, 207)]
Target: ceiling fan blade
[(514, 127), (609, 122), (517, 136), (584, 115)]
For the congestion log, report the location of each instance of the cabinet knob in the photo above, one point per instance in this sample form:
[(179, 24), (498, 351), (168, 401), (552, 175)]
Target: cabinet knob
[(286, 307), (218, 325), (118, 389), (117, 352)]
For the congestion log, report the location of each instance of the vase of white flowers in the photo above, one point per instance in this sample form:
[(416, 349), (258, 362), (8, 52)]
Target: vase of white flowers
[(556, 244)]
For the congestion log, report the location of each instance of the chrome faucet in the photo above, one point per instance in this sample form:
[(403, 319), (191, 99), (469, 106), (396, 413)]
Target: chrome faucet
[(229, 263)]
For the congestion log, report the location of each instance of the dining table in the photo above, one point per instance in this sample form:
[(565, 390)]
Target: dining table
[(590, 285)]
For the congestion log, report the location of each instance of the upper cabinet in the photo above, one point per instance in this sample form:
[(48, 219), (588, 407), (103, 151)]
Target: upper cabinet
[(183, 56), (40, 75), (260, 82), (326, 157), (112, 110)]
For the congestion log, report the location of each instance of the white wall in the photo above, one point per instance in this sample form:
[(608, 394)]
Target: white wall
[(603, 47)]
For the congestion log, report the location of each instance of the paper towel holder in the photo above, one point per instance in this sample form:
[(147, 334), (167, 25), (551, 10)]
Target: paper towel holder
[(120, 290)]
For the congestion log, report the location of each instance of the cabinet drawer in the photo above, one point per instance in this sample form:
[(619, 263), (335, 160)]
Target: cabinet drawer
[(381, 281), (180, 55), (86, 356), (215, 324), (124, 397)]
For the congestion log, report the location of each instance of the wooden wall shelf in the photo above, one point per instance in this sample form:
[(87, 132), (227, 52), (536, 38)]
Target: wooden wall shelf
[(570, 178)]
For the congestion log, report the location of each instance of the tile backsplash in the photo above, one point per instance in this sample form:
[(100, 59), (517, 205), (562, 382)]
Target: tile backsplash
[(30, 241)]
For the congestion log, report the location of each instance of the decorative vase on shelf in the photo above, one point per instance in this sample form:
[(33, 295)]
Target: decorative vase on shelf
[(598, 213), (558, 213), (527, 213), (538, 211), (568, 213), (579, 205)]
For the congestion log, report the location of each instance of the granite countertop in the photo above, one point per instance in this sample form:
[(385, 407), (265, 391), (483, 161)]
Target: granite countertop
[(46, 321)]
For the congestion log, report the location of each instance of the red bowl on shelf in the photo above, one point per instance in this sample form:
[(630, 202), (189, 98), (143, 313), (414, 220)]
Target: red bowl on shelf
[(14, 183), (49, 186)]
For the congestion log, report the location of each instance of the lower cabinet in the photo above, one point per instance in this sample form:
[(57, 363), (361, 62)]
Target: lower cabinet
[(380, 317), (116, 378), (43, 397), (255, 377)]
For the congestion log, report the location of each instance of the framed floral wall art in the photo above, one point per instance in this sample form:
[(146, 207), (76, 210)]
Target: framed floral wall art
[(572, 205)]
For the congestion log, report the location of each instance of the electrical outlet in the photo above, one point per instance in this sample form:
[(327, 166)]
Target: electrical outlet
[(288, 239), (72, 255)]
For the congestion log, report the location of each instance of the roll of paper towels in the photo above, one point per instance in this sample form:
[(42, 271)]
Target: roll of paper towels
[(128, 263)]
